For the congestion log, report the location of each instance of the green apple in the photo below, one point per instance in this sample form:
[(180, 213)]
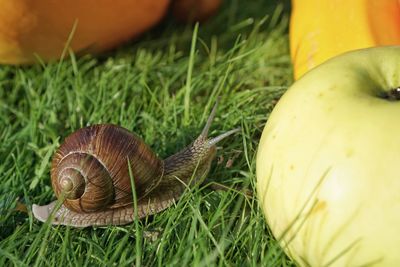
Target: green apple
[(328, 163)]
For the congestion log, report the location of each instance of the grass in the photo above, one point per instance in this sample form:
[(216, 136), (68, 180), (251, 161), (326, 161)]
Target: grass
[(162, 87)]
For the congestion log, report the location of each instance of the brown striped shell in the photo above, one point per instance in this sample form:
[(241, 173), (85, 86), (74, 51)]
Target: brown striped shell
[(92, 165)]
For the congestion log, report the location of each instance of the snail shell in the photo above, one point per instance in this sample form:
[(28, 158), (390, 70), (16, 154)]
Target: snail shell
[(91, 167), (92, 170)]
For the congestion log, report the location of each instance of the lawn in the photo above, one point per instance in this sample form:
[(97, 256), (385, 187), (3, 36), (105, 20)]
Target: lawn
[(161, 86)]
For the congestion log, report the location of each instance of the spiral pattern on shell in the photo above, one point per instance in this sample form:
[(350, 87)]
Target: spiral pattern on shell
[(91, 171)]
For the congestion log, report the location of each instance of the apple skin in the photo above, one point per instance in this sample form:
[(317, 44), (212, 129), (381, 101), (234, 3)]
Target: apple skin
[(328, 176)]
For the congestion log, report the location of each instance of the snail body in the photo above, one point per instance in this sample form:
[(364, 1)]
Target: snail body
[(91, 174)]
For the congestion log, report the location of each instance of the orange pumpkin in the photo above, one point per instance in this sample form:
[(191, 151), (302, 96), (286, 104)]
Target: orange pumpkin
[(41, 28), (320, 29)]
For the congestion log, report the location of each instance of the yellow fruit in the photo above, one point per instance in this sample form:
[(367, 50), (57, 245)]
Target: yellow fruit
[(320, 30), (327, 163), (31, 28)]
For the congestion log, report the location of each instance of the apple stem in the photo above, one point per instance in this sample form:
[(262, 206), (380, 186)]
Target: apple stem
[(393, 94)]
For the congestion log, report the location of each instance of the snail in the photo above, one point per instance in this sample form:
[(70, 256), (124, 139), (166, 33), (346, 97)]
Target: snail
[(91, 173)]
